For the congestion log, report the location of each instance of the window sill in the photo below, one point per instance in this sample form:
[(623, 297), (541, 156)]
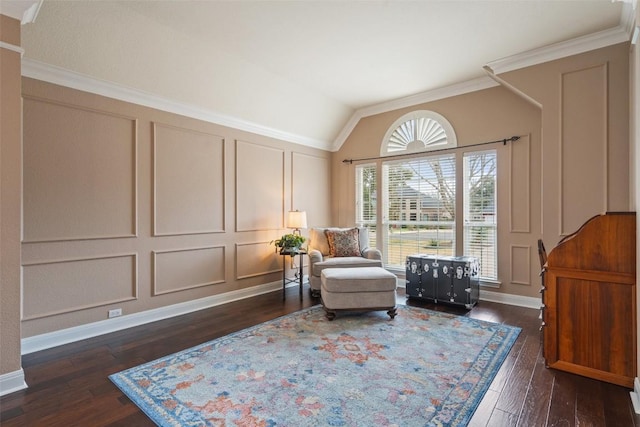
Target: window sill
[(490, 284)]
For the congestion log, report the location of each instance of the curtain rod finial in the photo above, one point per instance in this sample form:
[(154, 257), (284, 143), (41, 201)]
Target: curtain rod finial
[(350, 161)]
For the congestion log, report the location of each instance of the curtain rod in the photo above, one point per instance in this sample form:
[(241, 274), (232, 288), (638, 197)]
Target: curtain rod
[(504, 142)]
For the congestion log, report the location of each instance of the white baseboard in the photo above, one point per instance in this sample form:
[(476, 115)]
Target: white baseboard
[(77, 333), (12, 381), (510, 299), (635, 395)]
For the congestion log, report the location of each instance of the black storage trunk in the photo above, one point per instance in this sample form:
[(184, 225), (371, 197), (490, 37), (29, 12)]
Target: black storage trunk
[(454, 280)]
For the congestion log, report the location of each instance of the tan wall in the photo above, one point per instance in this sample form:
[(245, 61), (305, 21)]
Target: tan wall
[(130, 207), (585, 140), (571, 165), (10, 193)]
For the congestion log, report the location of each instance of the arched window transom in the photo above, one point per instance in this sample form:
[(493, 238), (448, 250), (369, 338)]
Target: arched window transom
[(418, 131)]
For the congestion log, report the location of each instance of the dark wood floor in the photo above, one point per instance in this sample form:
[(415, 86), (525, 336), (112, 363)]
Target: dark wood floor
[(68, 385)]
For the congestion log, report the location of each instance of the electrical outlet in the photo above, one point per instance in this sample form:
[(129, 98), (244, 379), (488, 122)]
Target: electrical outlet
[(115, 312)]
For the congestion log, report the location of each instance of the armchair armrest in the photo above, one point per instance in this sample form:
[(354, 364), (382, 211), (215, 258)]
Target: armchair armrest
[(315, 256), (372, 253)]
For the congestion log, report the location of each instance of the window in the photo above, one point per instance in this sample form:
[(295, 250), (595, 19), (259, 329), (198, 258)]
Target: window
[(480, 216), (419, 196), (429, 183), (366, 200)]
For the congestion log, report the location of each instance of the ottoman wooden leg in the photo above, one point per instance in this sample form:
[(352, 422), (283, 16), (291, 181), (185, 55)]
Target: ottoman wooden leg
[(329, 313), (392, 313)]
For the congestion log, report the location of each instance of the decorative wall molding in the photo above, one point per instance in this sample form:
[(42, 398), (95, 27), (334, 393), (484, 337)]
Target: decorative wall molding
[(94, 226), (219, 167), (185, 287), (523, 169), (242, 258), (11, 47), (572, 131), (260, 186), (77, 333), (71, 79), (527, 264), (12, 381), (70, 309)]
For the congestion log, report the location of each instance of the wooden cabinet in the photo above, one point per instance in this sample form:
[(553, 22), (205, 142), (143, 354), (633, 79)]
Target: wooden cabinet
[(589, 301)]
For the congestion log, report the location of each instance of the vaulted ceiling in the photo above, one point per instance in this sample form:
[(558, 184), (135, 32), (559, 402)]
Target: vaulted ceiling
[(299, 70)]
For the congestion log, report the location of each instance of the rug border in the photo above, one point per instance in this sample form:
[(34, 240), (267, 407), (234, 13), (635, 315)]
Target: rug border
[(152, 410)]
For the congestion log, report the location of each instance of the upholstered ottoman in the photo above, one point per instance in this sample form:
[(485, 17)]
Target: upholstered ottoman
[(358, 289)]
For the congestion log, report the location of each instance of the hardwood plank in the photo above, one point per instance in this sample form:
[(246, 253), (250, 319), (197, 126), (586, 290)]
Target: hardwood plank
[(617, 410), (514, 393), (562, 411), (589, 403), (535, 409), (502, 419), (482, 415)]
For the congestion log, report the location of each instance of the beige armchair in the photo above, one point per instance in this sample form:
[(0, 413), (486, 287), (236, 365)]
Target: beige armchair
[(320, 256)]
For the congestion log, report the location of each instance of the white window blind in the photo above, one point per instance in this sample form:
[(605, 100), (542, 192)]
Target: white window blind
[(366, 200), (419, 207), (480, 216)]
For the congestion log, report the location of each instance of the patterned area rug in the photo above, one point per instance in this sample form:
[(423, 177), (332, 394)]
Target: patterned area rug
[(422, 368)]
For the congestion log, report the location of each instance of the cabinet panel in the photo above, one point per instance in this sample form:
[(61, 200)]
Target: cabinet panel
[(590, 304)]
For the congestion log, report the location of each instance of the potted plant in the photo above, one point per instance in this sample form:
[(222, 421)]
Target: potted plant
[(289, 243)]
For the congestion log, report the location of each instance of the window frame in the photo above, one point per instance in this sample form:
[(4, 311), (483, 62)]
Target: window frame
[(379, 225), (468, 225)]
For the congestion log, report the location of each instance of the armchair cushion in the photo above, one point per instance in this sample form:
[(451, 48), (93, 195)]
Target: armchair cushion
[(321, 258), (343, 262), (343, 243)]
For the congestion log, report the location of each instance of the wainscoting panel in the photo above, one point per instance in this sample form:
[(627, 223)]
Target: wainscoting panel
[(310, 187), (520, 186), (259, 187), (521, 264), (180, 269), (79, 173), (189, 187), (256, 259), (65, 286), (583, 147)]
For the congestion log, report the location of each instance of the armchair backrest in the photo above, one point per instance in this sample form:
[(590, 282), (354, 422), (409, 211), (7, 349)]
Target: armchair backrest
[(318, 239)]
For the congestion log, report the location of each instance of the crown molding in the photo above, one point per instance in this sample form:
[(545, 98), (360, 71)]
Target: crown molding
[(71, 79), (24, 11), (469, 86), (628, 16), (619, 34)]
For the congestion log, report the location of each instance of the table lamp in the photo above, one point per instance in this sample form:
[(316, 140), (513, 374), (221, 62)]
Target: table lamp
[(297, 220)]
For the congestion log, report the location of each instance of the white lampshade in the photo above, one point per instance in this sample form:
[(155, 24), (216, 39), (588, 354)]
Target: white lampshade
[(297, 219)]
